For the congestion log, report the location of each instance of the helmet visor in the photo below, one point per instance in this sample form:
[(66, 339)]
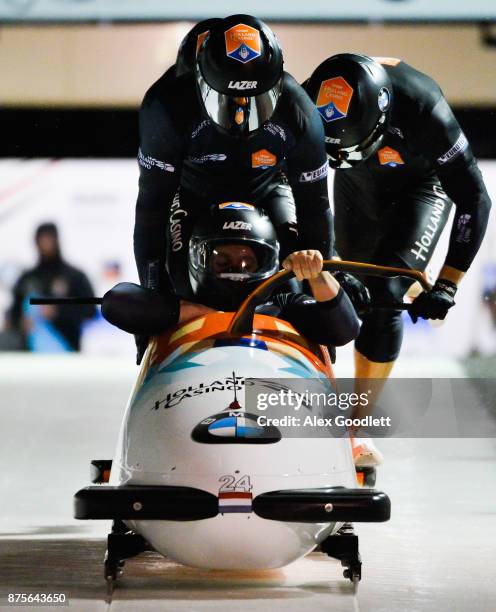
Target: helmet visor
[(234, 260), (238, 114), (348, 157)]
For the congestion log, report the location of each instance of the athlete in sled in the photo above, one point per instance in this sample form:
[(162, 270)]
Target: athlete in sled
[(194, 476)]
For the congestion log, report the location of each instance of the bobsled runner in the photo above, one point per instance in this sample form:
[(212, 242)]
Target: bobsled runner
[(191, 478)]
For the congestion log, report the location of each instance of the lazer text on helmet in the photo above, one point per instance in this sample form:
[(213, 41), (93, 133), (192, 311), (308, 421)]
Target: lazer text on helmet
[(242, 85)]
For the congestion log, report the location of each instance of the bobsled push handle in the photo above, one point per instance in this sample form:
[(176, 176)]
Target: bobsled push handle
[(242, 322), (130, 307), (75, 301)]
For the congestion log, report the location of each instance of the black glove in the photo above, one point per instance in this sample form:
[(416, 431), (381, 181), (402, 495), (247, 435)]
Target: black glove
[(355, 290), (434, 304)]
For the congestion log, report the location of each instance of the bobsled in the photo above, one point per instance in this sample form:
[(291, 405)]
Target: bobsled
[(192, 478)]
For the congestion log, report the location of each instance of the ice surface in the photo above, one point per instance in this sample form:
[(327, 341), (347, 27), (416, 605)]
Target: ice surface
[(438, 552)]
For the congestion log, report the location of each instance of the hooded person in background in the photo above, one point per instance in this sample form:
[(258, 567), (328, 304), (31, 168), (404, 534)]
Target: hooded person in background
[(49, 328)]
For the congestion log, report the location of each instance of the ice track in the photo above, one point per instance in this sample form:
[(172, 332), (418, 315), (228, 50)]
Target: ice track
[(438, 552)]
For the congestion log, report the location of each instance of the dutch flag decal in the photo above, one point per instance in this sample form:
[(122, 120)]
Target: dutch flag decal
[(234, 501)]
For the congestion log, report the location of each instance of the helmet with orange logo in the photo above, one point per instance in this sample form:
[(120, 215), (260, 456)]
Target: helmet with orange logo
[(191, 43), (353, 94), (239, 74)]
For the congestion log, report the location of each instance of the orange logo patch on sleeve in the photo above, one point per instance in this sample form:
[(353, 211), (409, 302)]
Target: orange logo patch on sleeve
[(263, 159), (334, 99), (243, 43), (389, 157)]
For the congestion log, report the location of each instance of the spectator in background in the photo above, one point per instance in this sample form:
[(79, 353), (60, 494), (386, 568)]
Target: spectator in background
[(49, 328)]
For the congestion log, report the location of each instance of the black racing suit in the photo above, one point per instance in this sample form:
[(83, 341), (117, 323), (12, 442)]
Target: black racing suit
[(187, 165), (391, 209), (333, 322)]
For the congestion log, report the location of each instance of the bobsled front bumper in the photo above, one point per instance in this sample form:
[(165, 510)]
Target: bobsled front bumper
[(136, 502)]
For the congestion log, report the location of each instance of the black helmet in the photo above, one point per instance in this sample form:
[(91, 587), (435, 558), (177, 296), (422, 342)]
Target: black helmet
[(239, 74), (353, 95), (232, 250), (191, 43)]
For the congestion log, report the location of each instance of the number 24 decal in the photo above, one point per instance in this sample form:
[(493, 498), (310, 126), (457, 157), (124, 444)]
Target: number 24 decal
[(231, 484)]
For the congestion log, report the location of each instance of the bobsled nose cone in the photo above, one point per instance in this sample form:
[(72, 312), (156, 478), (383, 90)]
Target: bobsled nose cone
[(137, 310)]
